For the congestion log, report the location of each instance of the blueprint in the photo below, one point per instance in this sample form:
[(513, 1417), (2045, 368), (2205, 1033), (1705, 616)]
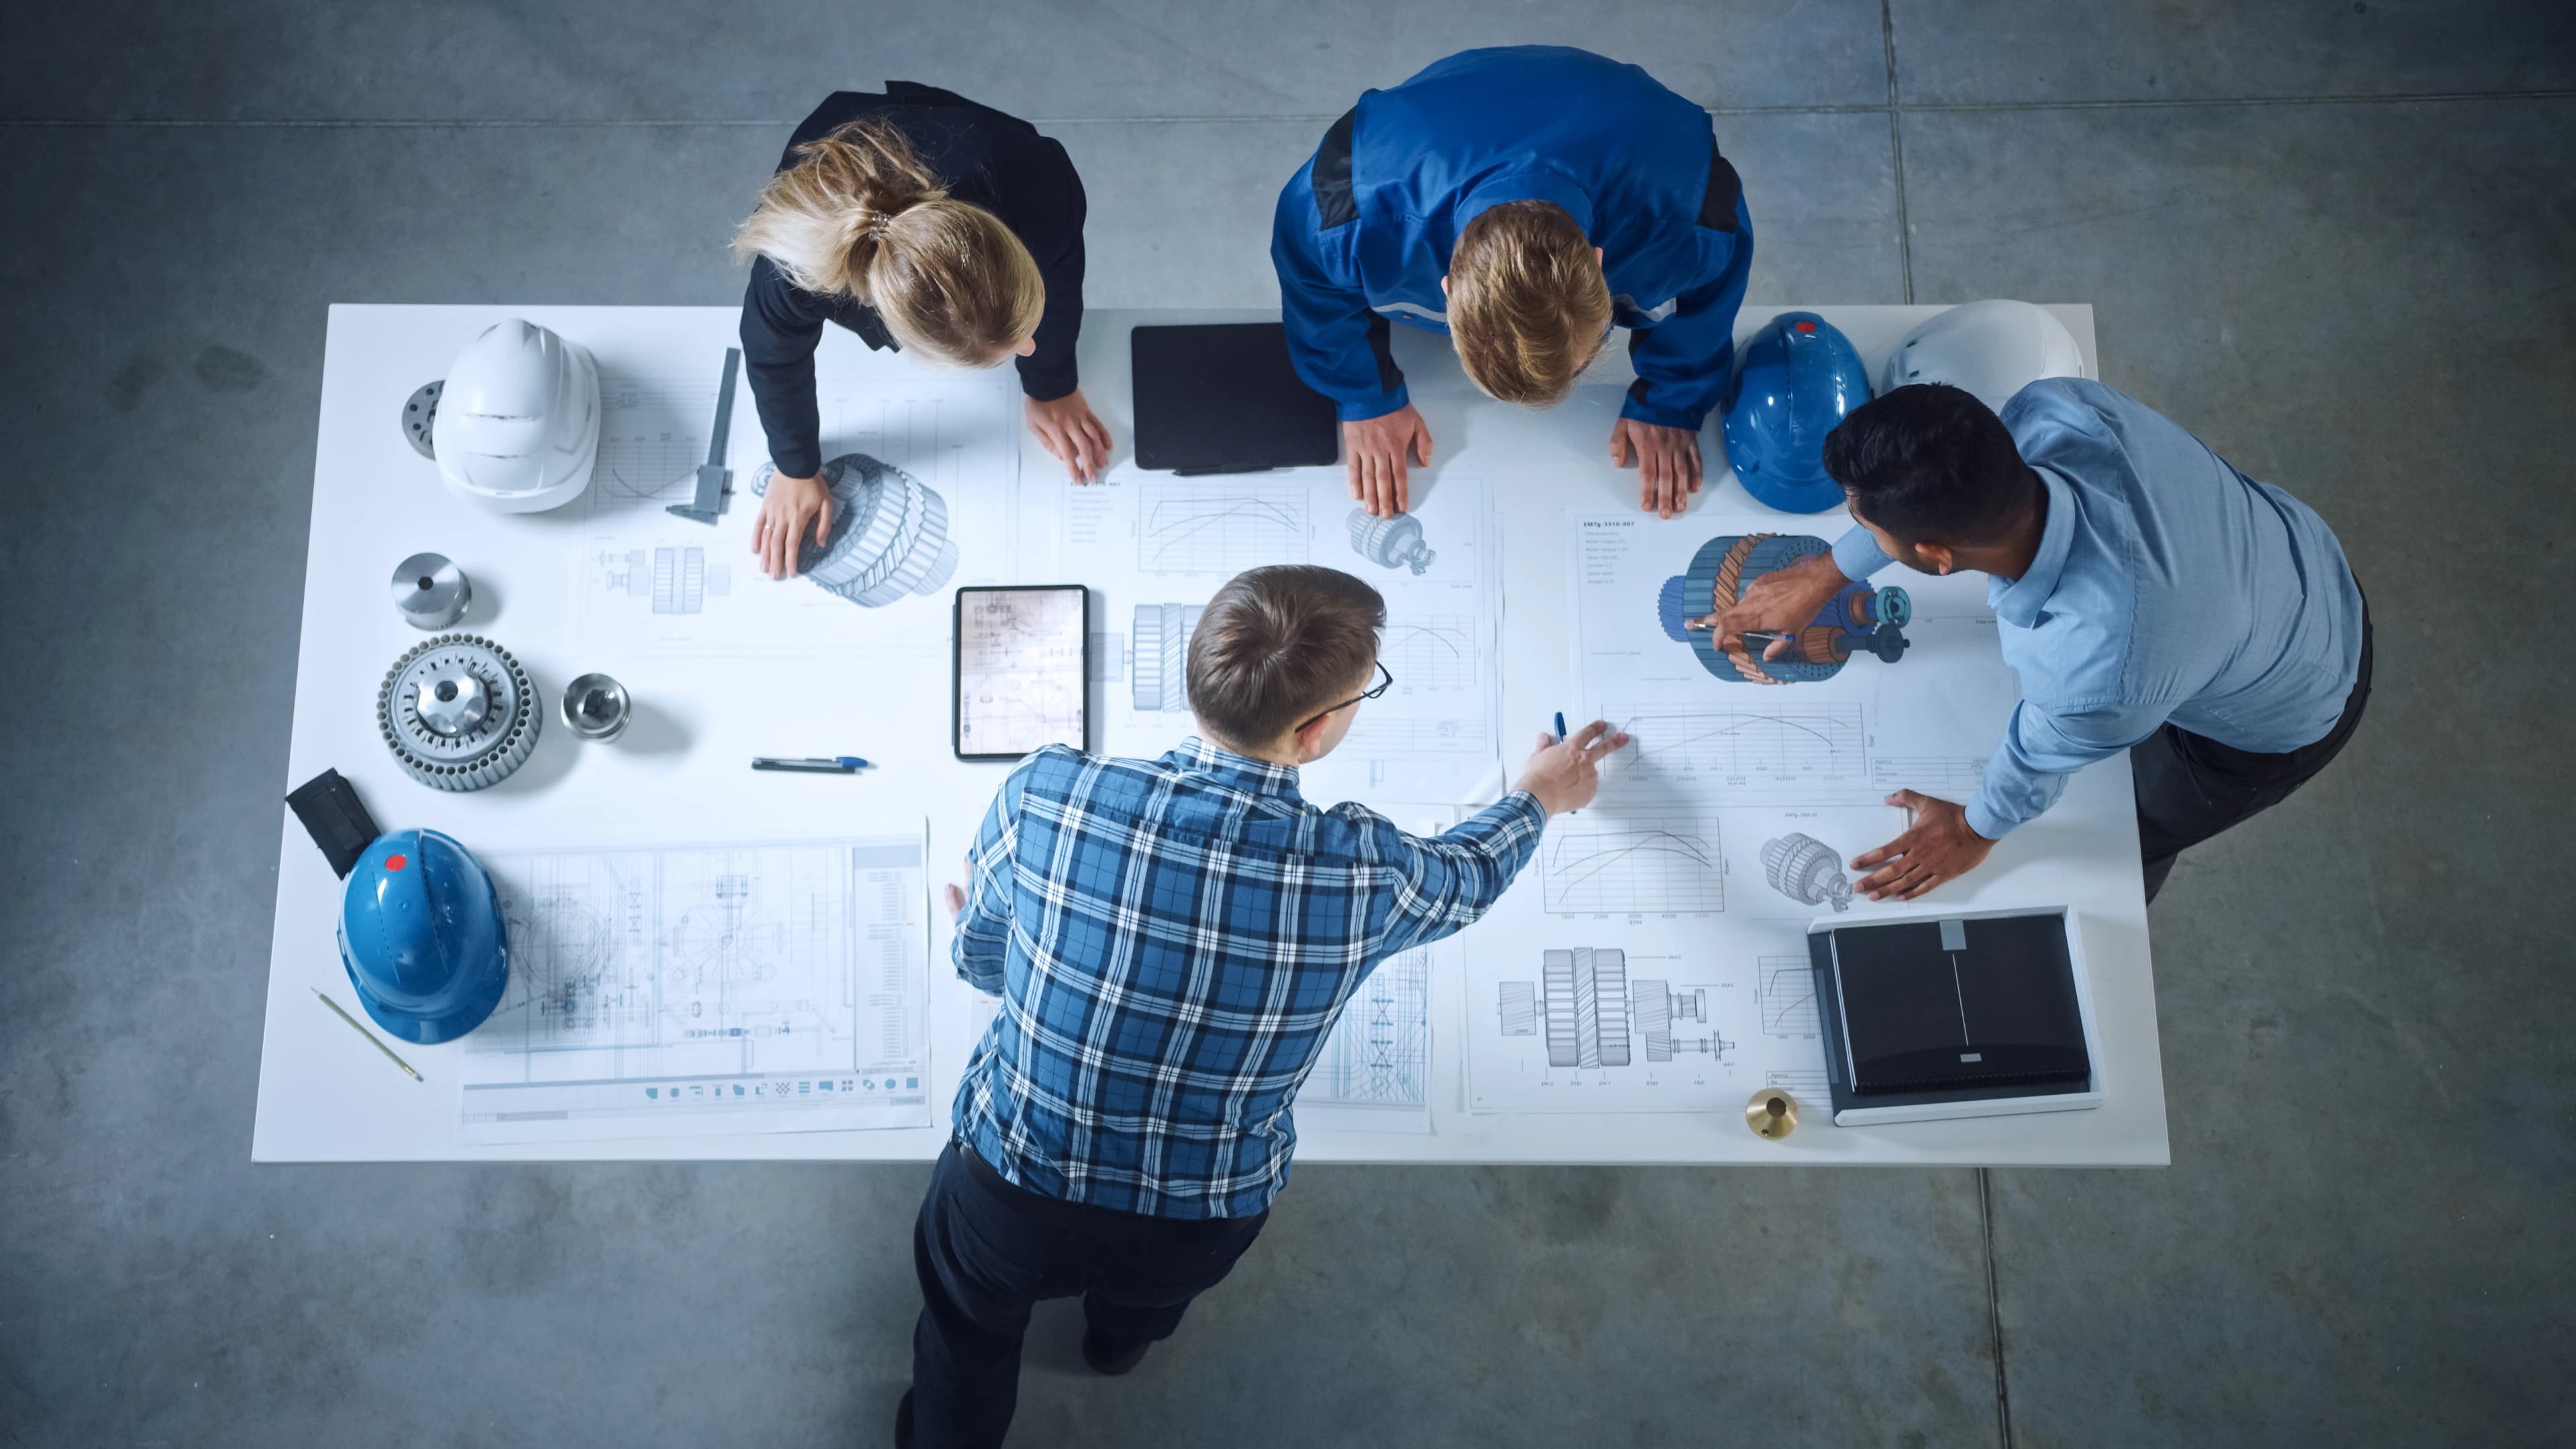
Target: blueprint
[(1375, 1071), (1655, 1016), (1157, 547), (694, 990), (649, 582)]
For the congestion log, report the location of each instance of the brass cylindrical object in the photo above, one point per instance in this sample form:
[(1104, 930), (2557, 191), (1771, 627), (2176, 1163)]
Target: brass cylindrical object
[(1772, 1113)]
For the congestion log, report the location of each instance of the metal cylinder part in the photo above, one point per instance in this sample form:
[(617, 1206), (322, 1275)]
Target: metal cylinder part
[(595, 707), (430, 592), (1772, 1113)]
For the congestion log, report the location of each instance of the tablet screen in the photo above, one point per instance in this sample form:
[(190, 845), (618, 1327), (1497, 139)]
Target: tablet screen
[(1022, 668)]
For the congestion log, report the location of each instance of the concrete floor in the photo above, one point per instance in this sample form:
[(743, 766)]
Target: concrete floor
[(2336, 238)]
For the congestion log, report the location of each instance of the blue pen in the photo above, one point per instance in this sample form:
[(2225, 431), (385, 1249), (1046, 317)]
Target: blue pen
[(830, 765), (1560, 724)]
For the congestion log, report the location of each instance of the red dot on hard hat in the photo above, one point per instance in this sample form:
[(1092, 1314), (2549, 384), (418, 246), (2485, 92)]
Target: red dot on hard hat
[(394, 862), (1806, 326)]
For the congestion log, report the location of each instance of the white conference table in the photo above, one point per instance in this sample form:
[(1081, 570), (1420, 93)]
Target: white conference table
[(326, 1096)]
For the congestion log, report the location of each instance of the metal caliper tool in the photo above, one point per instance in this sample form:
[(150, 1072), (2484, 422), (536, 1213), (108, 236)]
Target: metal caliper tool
[(714, 478)]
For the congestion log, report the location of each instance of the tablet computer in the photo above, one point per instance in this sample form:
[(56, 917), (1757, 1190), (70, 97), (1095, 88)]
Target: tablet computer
[(1022, 670), (1222, 398)]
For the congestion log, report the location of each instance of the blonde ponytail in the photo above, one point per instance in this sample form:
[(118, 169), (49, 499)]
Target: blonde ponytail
[(860, 216)]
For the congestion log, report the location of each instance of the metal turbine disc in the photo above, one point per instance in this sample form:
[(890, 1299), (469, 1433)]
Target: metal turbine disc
[(458, 712), (420, 418)]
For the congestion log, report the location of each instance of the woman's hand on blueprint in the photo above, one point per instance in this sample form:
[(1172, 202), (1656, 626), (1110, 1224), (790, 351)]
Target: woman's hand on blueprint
[(1937, 847), (1072, 435), (790, 505)]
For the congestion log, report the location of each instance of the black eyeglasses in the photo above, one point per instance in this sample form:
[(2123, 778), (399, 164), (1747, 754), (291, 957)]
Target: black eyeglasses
[(1385, 682)]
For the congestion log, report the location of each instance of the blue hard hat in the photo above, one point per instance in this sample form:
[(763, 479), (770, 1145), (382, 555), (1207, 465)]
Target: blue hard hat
[(422, 936), (1793, 382)]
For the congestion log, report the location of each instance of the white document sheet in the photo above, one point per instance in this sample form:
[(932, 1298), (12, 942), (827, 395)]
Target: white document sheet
[(1157, 547), (1654, 956), (691, 990)]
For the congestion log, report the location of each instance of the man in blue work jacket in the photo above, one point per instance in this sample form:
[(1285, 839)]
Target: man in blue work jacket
[(2152, 599), (1524, 200)]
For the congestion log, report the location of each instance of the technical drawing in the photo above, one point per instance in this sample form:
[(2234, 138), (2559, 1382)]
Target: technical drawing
[(1816, 740), (1586, 1003), (1646, 864), (1436, 651), (1198, 528), (652, 437), (1943, 775), (1784, 993), (1391, 542), (1159, 680), (1859, 620), (889, 533), (1657, 1006), (1379, 1052), (1806, 870), (706, 989), (678, 580), (1796, 1080)]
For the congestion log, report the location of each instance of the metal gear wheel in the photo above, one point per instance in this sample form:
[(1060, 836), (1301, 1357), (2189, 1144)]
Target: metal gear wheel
[(458, 712)]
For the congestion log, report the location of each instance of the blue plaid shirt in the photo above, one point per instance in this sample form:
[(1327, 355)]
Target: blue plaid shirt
[(1172, 940)]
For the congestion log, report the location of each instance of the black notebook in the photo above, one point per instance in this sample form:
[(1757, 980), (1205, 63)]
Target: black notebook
[(1221, 398), (1958, 1010)]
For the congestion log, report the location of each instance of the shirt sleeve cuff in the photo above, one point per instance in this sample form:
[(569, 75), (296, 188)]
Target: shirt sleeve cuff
[(1686, 419), (1363, 409), (1858, 555), (802, 462), (1987, 821)]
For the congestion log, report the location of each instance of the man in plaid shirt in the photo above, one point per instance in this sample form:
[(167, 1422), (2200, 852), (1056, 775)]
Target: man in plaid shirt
[(1172, 940)]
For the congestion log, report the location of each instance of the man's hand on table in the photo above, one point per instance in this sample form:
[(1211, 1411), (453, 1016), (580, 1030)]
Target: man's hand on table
[(1068, 430), (1375, 450), (1781, 602), (1565, 774), (786, 510), (1667, 461), (1937, 847)]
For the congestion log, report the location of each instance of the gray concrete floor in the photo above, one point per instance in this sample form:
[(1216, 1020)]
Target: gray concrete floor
[(2336, 238)]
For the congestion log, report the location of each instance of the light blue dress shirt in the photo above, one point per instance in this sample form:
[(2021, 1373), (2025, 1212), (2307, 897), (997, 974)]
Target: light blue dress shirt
[(2168, 588)]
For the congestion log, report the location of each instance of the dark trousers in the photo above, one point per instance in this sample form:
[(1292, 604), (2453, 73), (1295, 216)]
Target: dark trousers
[(2191, 787), (986, 1250)]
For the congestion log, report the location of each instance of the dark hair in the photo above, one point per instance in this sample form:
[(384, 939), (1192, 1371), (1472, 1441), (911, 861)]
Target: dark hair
[(1277, 644), (1931, 464)]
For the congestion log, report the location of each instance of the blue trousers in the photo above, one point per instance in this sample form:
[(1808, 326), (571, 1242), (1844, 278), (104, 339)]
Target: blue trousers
[(986, 1251)]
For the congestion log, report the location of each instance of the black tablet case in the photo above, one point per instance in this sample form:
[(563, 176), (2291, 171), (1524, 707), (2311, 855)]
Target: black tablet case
[(1909, 1022), (1221, 398)]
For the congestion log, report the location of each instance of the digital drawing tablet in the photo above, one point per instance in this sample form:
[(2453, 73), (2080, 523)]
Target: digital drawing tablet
[(1022, 669), (1222, 398)]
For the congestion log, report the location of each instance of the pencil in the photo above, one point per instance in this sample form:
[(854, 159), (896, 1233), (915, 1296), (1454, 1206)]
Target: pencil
[(369, 1035)]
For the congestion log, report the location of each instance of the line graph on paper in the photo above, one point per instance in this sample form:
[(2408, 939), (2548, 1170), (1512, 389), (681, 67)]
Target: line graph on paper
[(1635, 865), (1436, 651), (1784, 993), (1943, 775), (1218, 529), (652, 437), (1683, 749), (1379, 1052)]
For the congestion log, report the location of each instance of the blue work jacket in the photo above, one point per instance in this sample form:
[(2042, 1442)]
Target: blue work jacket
[(1366, 226)]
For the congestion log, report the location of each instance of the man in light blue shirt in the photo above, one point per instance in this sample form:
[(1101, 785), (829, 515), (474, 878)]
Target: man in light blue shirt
[(2151, 599)]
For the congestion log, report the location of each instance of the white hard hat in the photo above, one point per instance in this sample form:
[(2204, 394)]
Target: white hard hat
[(518, 421), (1992, 349)]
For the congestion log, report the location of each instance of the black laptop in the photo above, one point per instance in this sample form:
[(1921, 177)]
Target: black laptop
[(1221, 398)]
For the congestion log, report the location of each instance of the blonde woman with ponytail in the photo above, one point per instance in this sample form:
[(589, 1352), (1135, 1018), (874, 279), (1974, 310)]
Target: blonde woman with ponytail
[(925, 222)]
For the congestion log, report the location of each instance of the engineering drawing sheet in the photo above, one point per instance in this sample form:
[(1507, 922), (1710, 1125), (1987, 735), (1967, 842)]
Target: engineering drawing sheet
[(1375, 1073), (707, 989), (936, 513), (1157, 547), (1654, 955)]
